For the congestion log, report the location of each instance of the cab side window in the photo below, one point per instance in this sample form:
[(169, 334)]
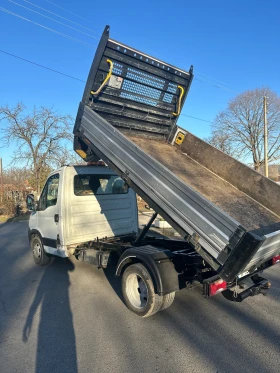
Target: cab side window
[(49, 195), (86, 185)]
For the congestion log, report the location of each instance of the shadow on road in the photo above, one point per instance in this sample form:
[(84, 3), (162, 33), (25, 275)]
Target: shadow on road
[(56, 342), (113, 280)]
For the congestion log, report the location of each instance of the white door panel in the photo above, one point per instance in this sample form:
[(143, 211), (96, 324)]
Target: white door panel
[(48, 212), (98, 205)]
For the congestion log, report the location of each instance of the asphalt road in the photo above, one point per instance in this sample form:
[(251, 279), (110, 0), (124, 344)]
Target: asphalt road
[(69, 317)]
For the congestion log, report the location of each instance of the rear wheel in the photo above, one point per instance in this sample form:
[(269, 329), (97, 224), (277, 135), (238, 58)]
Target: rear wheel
[(39, 255), (167, 300), (138, 291)]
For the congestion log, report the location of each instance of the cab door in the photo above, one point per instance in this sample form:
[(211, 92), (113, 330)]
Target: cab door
[(48, 213)]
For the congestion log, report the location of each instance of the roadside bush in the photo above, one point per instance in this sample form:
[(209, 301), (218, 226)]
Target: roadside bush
[(8, 208)]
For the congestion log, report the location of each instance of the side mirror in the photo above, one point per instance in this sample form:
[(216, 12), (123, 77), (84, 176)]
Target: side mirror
[(30, 202)]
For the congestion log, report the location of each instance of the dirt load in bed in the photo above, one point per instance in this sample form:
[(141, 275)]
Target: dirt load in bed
[(241, 207)]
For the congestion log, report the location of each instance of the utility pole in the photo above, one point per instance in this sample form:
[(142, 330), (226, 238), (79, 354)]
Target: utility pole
[(265, 138)]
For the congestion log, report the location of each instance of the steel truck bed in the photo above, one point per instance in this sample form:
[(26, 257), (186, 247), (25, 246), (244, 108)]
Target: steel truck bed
[(128, 118)]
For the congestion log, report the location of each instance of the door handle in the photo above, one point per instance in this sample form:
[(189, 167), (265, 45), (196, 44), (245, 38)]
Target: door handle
[(56, 218)]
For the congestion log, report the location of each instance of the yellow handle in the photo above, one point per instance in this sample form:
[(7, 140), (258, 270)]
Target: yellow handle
[(180, 100), (106, 79)]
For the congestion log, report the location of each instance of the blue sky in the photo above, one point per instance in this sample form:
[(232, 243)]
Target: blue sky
[(233, 46)]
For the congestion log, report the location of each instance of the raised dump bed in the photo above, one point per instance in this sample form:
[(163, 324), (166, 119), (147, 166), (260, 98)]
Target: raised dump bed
[(128, 117)]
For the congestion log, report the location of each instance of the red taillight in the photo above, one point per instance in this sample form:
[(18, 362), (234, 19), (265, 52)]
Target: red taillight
[(276, 259), (217, 287)]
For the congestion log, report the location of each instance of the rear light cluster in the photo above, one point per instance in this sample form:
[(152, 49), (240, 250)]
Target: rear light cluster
[(217, 287), (276, 259)]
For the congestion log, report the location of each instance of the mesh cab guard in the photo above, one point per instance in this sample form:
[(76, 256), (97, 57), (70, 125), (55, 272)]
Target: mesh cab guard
[(135, 92)]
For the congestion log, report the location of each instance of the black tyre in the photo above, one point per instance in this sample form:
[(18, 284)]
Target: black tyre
[(138, 291), (40, 257), (167, 300)]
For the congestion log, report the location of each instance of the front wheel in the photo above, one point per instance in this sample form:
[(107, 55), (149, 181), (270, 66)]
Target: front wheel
[(138, 291), (40, 257)]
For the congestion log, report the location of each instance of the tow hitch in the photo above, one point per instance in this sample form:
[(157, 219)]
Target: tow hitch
[(261, 285)]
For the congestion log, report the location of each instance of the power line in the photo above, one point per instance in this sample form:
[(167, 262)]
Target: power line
[(65, 35), (44, 67), (57, 15), (54, 20), (68, 11), (197, 78), (80, 80), (87, 44), (219, 86), (5, 10), (203, 120), (215, 85), (48, 28), (210, 77)]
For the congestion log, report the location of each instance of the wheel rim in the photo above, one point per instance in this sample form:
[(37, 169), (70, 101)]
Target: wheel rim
[(137, 291), (37, 250)]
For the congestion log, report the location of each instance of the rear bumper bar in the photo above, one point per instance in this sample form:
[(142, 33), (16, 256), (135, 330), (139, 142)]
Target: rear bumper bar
[(260, 287)]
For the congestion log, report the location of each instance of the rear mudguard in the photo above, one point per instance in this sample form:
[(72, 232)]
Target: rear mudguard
[(158, 262)]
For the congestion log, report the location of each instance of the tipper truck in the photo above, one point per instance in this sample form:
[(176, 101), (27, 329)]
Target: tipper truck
[(228, 215)]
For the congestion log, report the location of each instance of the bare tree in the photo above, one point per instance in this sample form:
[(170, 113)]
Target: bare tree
[(40, 137), (222, 142), (240, 127), (69, 158), (16, 176), (38, 184)]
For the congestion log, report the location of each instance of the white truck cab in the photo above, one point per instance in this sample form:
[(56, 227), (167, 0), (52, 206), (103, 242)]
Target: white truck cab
[(80, 204)]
